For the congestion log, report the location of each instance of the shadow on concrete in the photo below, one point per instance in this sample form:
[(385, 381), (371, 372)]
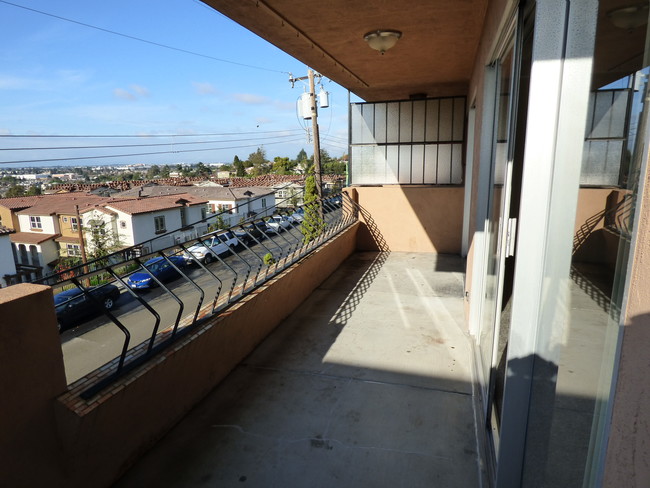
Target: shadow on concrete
[(368, 383)]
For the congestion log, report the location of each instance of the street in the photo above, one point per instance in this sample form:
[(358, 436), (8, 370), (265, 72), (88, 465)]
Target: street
[(95, 342)]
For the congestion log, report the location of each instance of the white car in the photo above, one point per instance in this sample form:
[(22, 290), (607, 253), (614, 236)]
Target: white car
[(298, 216), (277, 223), (213, 244)]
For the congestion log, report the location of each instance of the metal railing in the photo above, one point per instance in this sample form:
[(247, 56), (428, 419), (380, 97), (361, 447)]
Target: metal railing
[(149, 299)]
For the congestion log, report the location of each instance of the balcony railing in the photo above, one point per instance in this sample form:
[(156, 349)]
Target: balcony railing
[(145, 297)]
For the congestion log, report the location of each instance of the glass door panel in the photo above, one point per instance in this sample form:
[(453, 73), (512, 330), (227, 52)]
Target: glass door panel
[(495, 226)]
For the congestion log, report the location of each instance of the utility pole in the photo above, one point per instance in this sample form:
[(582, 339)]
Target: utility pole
[(82, 246), (314, 126), (313, 110)]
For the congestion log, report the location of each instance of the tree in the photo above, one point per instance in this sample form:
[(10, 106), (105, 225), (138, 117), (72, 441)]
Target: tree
[(313, 224), (258, 161), (153, 171), (164, 172), (334, 168), (302, 156), (15, 191), (101, 240), (218, 224), (202, 170), (239, 167), (282, 166), (34, 190)]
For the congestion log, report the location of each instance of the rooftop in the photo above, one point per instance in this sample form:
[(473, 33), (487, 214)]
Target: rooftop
[(211, 192), (154, 203)]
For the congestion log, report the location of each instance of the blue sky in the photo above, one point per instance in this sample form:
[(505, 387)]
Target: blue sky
[(61, 78)]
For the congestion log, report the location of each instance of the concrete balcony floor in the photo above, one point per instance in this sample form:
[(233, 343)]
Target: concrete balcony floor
[(368, 383)]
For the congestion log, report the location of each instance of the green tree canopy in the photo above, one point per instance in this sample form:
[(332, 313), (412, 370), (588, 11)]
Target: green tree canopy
[(239, 167), (313, 224), (102, 241), (283, 166), (302, 156), (15, 191), (202, 170), (153, 171), (258, 161)]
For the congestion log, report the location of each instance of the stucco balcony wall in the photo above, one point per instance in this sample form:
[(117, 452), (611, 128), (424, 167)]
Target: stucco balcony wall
[(78, 443), (412, 218)]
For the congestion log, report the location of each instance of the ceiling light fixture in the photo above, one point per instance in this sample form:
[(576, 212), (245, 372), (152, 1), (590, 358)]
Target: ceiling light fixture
[(382, 40), (629, 17)]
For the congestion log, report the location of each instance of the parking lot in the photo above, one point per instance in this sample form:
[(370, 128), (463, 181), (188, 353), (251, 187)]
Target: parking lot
[(96, 340)]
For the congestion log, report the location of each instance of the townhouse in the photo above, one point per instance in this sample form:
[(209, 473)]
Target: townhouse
[(233, 204), (158, 221)]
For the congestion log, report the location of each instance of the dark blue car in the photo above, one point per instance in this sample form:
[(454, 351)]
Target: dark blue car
[(73, 307), (158, 267)]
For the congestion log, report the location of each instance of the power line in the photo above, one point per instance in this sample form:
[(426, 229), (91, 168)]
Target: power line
[(140, 154), (99, 136), (106, 146), (108, 31)]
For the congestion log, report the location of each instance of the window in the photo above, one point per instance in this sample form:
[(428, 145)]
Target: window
[(263, 202), (183, 217), (74, 223), (73, 250), (35, 223), (122, 224), (204, 212), (159, 223), (65, 220)]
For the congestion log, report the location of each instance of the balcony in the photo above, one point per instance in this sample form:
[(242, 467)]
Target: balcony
[(368, 383), (367, 379)]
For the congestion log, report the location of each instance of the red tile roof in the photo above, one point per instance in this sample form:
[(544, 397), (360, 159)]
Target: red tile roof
[(63, 203), (153, 204), (31, 237)]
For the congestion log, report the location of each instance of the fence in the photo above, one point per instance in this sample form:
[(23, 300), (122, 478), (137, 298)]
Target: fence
[(150, 299), (408, 142)]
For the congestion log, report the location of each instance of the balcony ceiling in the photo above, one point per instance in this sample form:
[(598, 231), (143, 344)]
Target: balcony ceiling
[(435, 55)]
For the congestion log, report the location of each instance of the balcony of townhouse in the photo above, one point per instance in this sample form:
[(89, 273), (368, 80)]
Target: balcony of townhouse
[(349, 366)]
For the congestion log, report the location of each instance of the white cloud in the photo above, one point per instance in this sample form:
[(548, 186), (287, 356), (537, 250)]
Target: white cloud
[(140, 90), (251, 99), (123, 94), (17, 83), (204, 88)]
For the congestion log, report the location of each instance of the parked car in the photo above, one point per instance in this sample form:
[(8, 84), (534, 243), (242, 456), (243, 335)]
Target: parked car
[(158, 267), (250, 234), (278, 223), (298, 216), (213, 244), (73, 306), (332, 203)]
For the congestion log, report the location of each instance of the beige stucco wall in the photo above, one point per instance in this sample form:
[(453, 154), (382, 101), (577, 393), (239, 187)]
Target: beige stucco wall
[(95, 443), (592, 242), (410, 218), (628, 450), (31, 378)]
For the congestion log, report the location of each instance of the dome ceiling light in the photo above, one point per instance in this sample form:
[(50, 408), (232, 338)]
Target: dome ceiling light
[(629, 17), (382, 40)]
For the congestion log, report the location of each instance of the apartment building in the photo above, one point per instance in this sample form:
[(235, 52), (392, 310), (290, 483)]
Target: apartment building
[(233, 204), (513, 132)]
